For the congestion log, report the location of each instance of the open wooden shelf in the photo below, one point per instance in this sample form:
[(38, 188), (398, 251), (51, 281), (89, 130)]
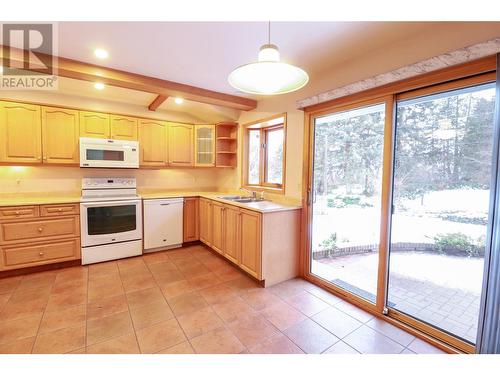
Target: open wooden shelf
[(226, 145)]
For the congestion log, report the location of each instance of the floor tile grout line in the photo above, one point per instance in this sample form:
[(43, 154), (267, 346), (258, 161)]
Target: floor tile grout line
[(128, 309), (87, 307), (41, 318), (342, 341)]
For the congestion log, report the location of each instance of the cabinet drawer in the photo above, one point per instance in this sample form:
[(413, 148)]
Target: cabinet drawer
[(31, 255), (18, 212), (39, 229), (59, 209)]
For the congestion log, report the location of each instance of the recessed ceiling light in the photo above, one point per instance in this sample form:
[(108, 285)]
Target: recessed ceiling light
[(101, 53), (179, 100), (99, 85)]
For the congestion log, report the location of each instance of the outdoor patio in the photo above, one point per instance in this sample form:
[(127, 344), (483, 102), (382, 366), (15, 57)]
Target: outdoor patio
[(449, 303)]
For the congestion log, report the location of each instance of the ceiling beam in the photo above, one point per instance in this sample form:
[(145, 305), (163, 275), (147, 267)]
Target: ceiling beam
[(113, 77), (157, 102)]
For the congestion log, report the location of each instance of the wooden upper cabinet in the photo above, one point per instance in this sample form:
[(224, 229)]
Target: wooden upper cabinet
[(180, 144), (153, 142), (231, 233), (204, 145), (191, 220), (94, 125), (218, 227), (20, 133), (60, 134), (250, 242), (123, 127)]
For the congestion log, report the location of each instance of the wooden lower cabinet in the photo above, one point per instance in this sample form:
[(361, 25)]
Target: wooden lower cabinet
[(250, 242), (19, 256), (38, 235), (39, 229), (206, 221), (218, 227), (191, 220), (265, 245), (231, 233)]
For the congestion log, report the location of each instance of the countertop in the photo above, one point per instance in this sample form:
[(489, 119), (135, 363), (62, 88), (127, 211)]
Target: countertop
[(263, 206), (26, 199)]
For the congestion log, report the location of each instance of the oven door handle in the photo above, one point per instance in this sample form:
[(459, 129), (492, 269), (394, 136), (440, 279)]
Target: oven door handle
[(110, 203)]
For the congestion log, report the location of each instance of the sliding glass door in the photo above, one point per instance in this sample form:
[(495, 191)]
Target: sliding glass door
[(346, 190), (441, 191), (399, 204)]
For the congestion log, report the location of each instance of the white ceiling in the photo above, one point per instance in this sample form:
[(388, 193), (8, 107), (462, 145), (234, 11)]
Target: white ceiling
[(204, 53)]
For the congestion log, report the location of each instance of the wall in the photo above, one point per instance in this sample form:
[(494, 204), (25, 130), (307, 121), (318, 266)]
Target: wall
[(24, 179), (437, 40)]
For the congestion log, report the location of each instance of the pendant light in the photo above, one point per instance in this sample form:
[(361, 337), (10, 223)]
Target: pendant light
[(268, 76)]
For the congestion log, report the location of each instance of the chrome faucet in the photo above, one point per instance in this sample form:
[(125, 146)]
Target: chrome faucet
[(252, 193)]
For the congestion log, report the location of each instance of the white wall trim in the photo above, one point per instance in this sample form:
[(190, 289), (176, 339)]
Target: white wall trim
[(459, 56)]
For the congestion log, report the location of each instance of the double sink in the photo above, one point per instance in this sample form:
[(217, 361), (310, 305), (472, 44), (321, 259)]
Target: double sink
[(240, 199)]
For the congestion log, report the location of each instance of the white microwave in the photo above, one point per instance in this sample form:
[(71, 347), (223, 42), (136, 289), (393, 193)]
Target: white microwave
[(108, 153)]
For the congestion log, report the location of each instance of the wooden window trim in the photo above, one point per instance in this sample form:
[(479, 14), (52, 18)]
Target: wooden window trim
[(264, 130), (469, 74)]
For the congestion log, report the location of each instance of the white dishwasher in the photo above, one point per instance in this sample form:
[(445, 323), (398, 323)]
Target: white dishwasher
[(163, 223)]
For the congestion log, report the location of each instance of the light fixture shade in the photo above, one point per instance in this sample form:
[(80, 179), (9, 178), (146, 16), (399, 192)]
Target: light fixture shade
[(268, 78)]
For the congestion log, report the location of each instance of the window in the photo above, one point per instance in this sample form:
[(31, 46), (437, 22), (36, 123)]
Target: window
[(264, 161)]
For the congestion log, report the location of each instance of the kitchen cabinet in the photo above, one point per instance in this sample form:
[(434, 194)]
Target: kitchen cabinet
[(191, 219), (218, 227), (152, 143), (38, 235), (123, 127), (250, 242), (180, 144), (265, 245), (94, 125), (231, 234), (60, 135), (20, 133), (204, 145), (206, 221)]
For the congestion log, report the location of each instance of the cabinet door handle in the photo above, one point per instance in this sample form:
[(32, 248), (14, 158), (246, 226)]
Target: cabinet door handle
[(41, 253), (40, 229)]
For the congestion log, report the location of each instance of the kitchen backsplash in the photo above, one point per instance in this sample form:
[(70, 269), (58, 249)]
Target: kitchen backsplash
[(25, 179)]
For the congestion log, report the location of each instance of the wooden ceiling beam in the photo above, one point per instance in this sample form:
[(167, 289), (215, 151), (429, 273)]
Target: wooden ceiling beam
[(157, 102), (113, 77)]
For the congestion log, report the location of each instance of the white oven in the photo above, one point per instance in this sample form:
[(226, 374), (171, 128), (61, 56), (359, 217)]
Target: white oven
[(110, 222), (108, 153), (110, 219)]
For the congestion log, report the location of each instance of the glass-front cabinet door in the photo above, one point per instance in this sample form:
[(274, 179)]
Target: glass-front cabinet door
[(205, 145)]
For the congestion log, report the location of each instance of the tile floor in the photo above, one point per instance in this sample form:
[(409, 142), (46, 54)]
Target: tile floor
[(183, 301)]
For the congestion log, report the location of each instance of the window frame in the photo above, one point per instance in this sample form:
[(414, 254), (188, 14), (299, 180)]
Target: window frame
[(264, 128)]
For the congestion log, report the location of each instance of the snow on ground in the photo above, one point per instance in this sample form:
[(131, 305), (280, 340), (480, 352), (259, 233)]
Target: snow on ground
[(416, 223)]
